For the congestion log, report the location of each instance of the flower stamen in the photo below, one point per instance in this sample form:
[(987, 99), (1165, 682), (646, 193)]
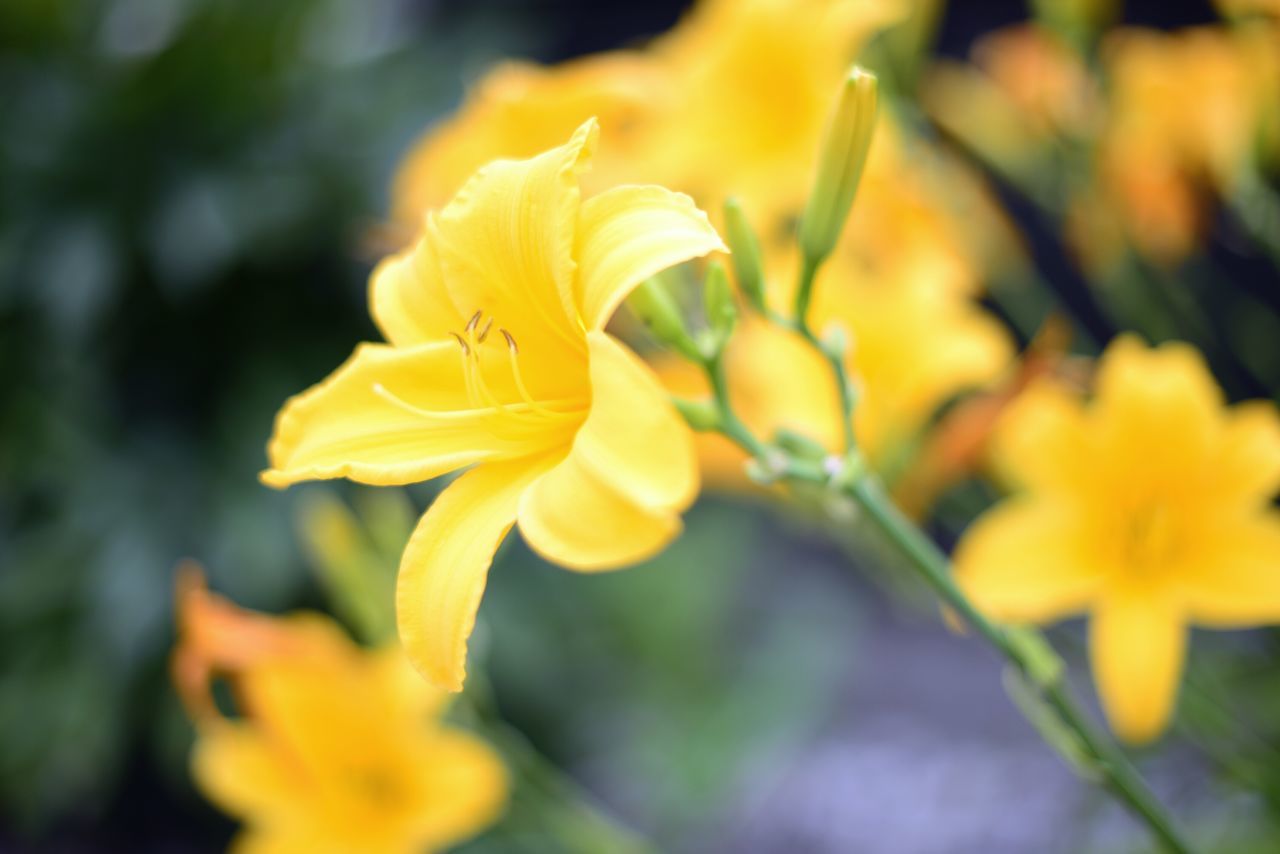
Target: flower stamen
[(513, 351)]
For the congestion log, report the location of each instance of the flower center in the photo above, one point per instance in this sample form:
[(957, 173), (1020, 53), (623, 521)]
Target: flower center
[(478, 391), (1148, 537), (377, 787), (524, 411)]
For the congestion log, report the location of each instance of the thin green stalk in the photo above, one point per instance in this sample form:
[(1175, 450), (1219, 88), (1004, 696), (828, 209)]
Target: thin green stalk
[(799, 324), (804, 291), (1119, 775), (1113, 769)]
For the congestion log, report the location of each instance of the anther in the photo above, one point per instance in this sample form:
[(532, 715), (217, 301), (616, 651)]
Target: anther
[(511, 341), (485, 332), (466, 350), (473, 322)]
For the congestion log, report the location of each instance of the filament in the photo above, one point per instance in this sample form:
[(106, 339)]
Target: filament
[(512, 352), (400, 403)]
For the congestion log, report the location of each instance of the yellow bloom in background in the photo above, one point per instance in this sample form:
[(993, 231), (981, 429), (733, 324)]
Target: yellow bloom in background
[(731, 101), (520, 109), (337, 748), (751, 87), (498, 359), (1149, 508), (1024, 90), (1175, 120), (1234, 8), (1201, 91), (914, 347), (1184, 113), (921, 216)]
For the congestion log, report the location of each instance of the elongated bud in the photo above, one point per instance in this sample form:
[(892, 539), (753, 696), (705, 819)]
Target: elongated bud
[(744, 248), (844, 152), (701, 415), (658, 310), (722, 311)]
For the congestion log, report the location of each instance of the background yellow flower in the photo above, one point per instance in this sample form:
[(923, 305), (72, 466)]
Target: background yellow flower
[(336, 748), (520, 109), (1148, 507)]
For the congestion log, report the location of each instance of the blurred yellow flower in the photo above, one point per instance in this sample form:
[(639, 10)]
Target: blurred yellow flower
[(337, 748), (1177, 119), (1025, 89), (1241, 8), (520, 109), (731, 101), (1149, 508), (498, 358), (1184, 113), (751, 83), (920, 216)]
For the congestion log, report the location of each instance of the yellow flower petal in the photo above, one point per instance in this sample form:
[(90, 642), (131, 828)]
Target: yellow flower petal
[(463, 789), (1159, 408), (1021, 562), (443, 570), (614, 500), (408, 299), (1235, 580), (519, 109), (1248, 467), (393, 416), (628, 234), (506, 243), (238, 768), (574, 518), (1040, 440), (633, 437), (1137, 643)]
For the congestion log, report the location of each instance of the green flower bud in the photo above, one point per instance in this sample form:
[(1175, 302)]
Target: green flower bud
[(844, 153), (722, 311), (701, 415), (745, 254), (653, 304)]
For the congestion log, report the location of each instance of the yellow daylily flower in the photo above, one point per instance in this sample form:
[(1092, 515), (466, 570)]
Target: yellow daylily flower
[(1185, 108), (520, 109), (498, 359), (1148, 508), (337, 748)]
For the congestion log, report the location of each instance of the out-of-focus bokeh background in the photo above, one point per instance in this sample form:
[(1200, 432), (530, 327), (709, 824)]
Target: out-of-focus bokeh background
[(191, 197)]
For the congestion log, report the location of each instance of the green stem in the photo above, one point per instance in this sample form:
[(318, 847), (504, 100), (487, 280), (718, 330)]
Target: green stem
[(1119, 775), (799, 324), (1113, 768), (1026, 652), (730, 424), (804, 291)]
